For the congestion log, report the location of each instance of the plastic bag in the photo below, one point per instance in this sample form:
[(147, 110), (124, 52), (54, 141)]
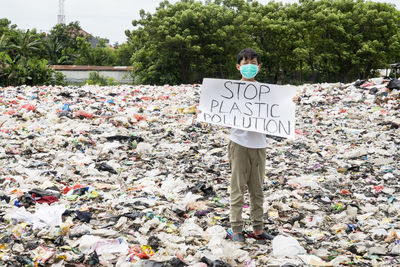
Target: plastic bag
[(286, 246), (394, 84)]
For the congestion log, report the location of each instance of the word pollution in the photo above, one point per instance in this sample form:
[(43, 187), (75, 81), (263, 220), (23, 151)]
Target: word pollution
[(257, 107)]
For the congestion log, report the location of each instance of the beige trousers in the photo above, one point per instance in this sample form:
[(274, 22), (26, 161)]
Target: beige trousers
[(248, 170)]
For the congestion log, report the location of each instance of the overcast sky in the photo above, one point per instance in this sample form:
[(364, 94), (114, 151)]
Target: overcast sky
[(104, 18)]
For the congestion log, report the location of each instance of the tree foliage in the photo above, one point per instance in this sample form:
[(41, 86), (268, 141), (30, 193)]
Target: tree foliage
[(188, 40), (25, 56), (20, 57), (324, 40), (101, 55), (61, 44)]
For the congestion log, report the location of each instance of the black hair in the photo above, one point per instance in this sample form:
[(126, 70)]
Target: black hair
[(248, 53)]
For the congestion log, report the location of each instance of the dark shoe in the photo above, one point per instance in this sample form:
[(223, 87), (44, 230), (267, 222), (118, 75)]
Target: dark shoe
[(238, 237), (262, 236)]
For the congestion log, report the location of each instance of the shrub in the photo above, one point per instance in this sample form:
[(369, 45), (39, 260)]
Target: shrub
[(24, 71), (59, 79), (96, 79), (111, 81), (38, 72)]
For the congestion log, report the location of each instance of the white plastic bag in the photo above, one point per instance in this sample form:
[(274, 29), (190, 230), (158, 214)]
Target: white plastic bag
[(286, 246), (44, 216)]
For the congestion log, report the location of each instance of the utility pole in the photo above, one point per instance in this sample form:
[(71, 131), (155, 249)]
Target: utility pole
[(61, 13)]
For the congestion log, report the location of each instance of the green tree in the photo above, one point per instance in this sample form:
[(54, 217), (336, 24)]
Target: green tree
[(61, 43), (21, 55), (101, 55), (67, 34), (377, 45), (56, 53), (345, 40), (188, 40), (123, 54), (272, 28), (26, 44), (4, 43), (6, 27)]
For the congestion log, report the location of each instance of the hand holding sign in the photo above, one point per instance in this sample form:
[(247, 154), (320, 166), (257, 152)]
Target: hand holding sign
[(251, 106)]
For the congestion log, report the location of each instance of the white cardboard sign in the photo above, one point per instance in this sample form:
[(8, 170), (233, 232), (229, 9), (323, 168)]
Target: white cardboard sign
[(251, 106)]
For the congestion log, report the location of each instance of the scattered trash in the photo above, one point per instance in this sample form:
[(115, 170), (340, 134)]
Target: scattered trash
[(124, 176), (286, 246), (42, 254)]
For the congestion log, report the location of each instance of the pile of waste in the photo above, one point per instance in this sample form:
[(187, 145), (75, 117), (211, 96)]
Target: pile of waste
[(125, 176)]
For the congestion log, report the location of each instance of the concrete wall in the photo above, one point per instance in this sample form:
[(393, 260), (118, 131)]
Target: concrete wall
[(79, 76)]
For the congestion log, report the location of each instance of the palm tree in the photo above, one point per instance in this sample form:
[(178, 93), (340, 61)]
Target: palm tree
[(25, 44), (4, 42), (56, 52)]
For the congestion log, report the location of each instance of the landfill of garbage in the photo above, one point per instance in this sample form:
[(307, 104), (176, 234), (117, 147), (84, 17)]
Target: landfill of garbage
[(125, 176)]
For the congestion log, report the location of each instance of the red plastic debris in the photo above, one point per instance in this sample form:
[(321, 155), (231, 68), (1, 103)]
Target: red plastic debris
[(163, 97), (29, 107), (85, 114), (67, 188), (345, 192), (378, 188), (142, 253), (10, 112), (47, 199), (140, 117), (367, 84)]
